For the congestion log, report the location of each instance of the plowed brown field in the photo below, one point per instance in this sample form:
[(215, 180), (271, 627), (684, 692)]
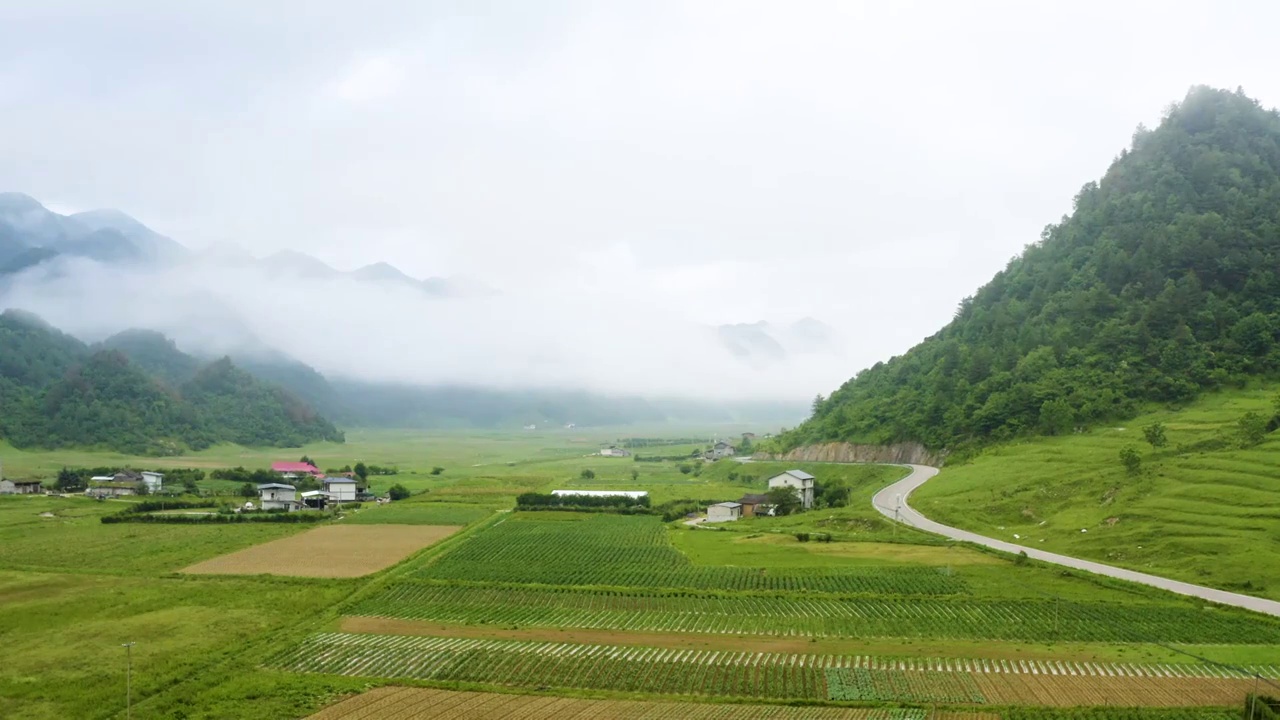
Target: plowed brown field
[(332, 551)]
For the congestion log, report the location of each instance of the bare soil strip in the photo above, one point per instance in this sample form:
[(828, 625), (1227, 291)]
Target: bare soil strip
[(332, 551)]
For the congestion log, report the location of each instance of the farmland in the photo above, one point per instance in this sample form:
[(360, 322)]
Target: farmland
[(426, 704), (332, 551), (609, 613)]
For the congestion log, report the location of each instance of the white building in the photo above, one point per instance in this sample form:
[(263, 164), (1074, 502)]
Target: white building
[(278, 496), (604, 493), (340, 489), (798, 480), (154, 481), (724, 512), (614, 452), (721, 449)]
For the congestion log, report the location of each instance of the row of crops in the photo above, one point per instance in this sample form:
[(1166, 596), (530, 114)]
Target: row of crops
[(737, 674), (952, 618), (634, 551)]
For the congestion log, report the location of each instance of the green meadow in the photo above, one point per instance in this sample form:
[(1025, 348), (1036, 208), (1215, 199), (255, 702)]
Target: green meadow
[(1200, 509)]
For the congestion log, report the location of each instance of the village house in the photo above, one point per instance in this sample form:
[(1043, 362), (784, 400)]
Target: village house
[(340, 489), (721, 449), (111, 488), (754, 504), (277, 496), (295, 470), (724, 512), (798, 480), (614, 452), (20, 487)]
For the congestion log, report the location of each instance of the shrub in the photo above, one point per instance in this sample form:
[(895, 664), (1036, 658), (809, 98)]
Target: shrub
[(398, 492), (1131, 460), (802, 536), (437, 470)]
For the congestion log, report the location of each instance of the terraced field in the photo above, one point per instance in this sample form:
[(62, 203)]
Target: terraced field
[(768, 675), (817, 616)]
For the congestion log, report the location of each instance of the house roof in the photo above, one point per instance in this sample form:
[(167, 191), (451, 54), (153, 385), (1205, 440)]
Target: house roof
[(339, 480), (753, 499), (316, 493), (728, 505), (281, 486), (287, 467), (25, 482), (799, 474)]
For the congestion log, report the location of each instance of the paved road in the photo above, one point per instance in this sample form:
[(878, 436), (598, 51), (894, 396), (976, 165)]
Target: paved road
[(887, 499)]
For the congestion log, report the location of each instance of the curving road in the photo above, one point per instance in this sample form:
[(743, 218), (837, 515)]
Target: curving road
[(895, 497)]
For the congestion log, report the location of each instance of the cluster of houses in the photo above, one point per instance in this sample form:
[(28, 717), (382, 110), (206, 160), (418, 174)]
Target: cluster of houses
[(285, 496), (125, 482), (800, 482)]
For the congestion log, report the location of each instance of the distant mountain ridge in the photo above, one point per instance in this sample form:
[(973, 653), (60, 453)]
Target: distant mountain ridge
[(55, 391), (33, 236)]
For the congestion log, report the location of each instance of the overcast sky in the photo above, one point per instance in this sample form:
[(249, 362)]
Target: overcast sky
[(867, 164)]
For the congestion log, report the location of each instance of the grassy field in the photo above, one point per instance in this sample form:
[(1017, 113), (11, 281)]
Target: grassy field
[(598, 607), (1201, 509)]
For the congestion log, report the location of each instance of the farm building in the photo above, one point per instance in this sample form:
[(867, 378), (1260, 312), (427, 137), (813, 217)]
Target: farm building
[(278, 496), (291, 470), (724, 512), (798, 480), (111, 488), (340, 489), (315, 499), (753, 504), (20, 487), (614, 452), (154, 481), (603, 493), (721, 449)]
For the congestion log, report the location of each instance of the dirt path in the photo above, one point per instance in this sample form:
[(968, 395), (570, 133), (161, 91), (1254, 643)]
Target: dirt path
[(892, 503)]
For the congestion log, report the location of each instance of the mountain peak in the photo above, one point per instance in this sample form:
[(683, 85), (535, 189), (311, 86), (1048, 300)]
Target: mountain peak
[(18, 202)]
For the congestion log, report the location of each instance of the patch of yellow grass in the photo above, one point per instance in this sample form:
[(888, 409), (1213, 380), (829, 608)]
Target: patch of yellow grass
[(332, 551)]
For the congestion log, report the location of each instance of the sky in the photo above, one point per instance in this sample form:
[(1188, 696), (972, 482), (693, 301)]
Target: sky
[(629, 164)]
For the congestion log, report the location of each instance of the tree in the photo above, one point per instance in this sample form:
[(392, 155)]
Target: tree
[(398, 492), (141, 489), (685, 468), (785, 500), (1056, 416), (248, 490), (817, 404), (587, 474), (835, 494), (744, 447), (635, 474), (308, 461), (1131, 460), (1252, 429), (68, 480), (1154, 433), (437, 470), (189, 486), (361, 471)]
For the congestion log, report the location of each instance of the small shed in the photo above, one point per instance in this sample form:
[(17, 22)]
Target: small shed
[(724, 512), (154, 481), (753, 504), (315, 499), (614, 452)]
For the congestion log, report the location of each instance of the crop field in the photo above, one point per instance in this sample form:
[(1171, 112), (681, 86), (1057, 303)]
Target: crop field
[(600, 549), (765, 675), (332, 551), (419, 513), (395, 703), (817, 616)]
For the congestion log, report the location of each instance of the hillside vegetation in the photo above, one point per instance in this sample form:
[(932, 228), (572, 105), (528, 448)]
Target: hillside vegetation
[(1203, 507), (57, 392), (1160, 285)]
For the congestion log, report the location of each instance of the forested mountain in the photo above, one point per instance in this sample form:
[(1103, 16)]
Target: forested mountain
[(1163, 282), (57, 392)]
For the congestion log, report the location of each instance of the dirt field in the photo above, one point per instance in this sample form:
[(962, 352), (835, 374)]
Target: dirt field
[(392, 703), (332, 551)]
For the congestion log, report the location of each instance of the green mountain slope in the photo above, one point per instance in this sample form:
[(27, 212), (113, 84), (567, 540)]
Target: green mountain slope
[(1204, 507), (136, 394), (1164, 282)]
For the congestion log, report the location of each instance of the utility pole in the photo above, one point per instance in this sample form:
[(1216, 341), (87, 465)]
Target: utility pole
[(128, 680), (897, 510)]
